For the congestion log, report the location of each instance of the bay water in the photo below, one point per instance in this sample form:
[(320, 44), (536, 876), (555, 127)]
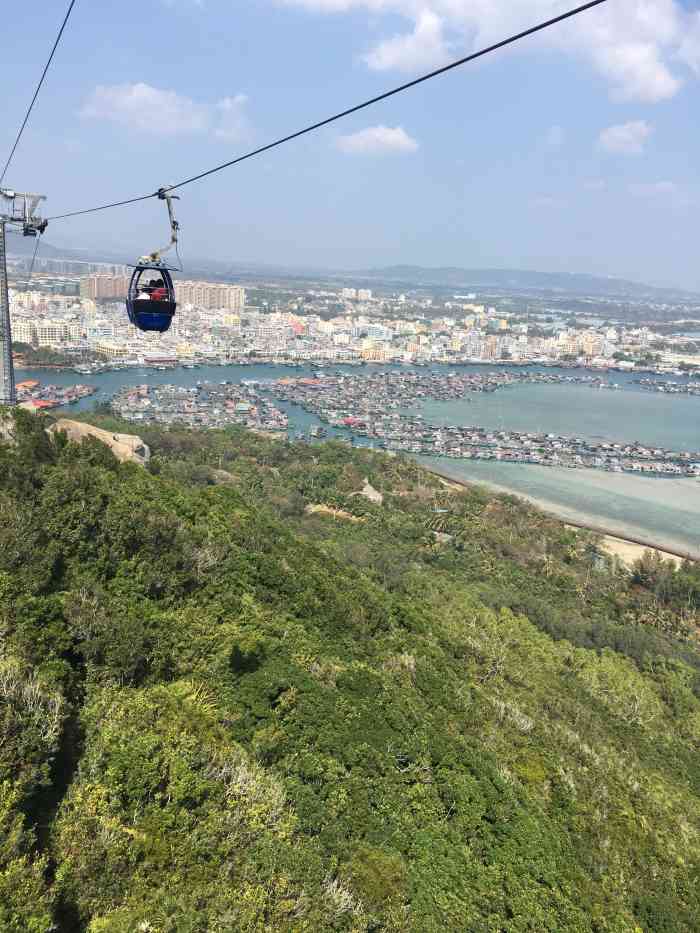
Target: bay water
[(665, 511)]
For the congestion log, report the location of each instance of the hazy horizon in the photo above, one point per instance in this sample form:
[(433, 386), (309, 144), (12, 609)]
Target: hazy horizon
[(116, 254)]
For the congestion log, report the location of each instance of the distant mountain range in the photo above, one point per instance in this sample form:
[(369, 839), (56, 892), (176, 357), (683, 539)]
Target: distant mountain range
[(453, 278), (519, 280), (24, 246)]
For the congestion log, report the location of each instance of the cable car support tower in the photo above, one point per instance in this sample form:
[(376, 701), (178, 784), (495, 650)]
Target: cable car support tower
[(17, 209)]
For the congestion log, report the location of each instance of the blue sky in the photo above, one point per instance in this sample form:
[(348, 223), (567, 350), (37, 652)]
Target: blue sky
[(577, 151)]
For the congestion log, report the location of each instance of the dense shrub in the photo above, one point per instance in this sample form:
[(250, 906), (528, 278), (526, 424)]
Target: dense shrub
[(221, 711)]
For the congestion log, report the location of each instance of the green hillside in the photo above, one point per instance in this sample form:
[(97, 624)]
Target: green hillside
[(223, 711)]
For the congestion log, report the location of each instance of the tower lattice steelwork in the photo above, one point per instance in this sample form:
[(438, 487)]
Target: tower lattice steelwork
[(17, 209)]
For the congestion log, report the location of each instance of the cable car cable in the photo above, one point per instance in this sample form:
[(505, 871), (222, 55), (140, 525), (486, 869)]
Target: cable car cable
[(397, 90), (31, 267), (38, 88), (344, 113), (104, 207)]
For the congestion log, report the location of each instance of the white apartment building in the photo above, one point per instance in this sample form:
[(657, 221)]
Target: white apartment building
[(23, 331), (379, 332), (99, 328), (50, 333), (211, 296)]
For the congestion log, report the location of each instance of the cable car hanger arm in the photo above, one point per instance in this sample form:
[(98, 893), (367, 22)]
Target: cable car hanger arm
[(155, 256)]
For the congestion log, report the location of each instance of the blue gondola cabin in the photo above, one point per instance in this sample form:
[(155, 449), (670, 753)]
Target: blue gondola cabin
[(151, 301)]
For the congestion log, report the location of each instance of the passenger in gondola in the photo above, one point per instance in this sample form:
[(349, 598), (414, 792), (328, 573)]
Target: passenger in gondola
[(145, 291), (159, 292)]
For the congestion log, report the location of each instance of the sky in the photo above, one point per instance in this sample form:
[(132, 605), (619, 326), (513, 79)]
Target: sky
[(575, 151)]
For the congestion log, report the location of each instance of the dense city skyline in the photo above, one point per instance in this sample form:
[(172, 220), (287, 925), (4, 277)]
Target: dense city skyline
[(79, 314)]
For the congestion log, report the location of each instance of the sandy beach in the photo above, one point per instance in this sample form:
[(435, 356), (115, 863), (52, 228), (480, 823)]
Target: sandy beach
[(629, 552), (626, 548)]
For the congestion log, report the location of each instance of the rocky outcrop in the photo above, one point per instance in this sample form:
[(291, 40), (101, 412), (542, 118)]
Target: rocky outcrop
[(7, 426), (369, 492), (123, 446)]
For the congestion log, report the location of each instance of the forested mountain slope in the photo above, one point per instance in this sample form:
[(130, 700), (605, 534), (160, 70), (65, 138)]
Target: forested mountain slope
[(220, 711)]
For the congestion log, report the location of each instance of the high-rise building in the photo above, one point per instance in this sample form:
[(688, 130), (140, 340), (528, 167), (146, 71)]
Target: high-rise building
[(23, 331), (104, 286), (99, 328), (78, 267), (207, 295), (211, 296), (50, 333)]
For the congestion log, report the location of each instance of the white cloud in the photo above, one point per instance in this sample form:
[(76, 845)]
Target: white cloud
[(377, 140), (689, 51), (233, 123), (555, 137), (146, 108), (625, 138), (424, 48), (642, 47), (151, 110)]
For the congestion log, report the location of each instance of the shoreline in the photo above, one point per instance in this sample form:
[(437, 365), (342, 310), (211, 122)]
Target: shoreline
[(323, 364), (595, 520), (607, 533)]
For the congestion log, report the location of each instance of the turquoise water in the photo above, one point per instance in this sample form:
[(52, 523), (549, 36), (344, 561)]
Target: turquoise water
[(663, 511), (626, 415), (109, 383), (666, 511)]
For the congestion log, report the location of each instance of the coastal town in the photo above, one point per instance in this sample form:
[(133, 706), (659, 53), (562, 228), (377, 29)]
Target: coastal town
[(382, 410), (206, 405), (34, 395), (77, 310), (72, 315)]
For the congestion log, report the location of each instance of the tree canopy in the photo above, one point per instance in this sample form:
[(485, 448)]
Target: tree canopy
[(225, 709)]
